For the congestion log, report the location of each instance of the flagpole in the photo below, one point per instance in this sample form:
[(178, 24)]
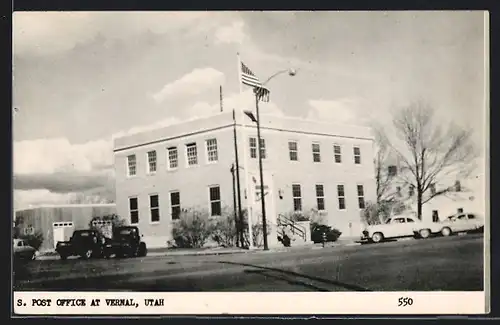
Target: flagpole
[(245, 159)]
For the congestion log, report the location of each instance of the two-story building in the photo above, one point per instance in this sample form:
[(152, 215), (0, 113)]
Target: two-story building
[(306, 165)]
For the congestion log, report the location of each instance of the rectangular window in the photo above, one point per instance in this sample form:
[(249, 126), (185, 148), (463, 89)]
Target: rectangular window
[(154, 207), (215, 203), (192, 154), (212, 154), (131, 165), (293, 150), (337, 152), (152, 161), (134, 210), (361, 197), (341, 196), (173, 160), (357, 155), (433, 189), (316, 152), (175, 205), (320, 197), (253, 147), (297, 197)]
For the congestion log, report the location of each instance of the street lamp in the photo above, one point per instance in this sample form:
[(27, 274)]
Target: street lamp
[(256, 120)]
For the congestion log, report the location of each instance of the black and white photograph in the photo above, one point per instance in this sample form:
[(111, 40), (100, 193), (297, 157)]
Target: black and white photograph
[(250, 151)]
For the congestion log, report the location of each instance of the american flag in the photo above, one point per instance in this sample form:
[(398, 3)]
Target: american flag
[(248, 78)]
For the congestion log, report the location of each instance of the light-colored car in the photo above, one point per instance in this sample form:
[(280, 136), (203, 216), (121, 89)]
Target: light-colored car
[(462, 222), (23, 251), (399, 227)]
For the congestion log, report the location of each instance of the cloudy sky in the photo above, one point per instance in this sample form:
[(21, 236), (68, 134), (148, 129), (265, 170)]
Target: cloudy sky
[(82, 78)]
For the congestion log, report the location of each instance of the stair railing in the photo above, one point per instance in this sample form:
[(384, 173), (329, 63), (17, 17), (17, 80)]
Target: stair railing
[(295, 228)]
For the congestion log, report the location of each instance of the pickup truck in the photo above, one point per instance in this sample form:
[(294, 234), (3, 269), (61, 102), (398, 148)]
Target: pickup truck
[(400, 227), (85, 243), (127, 242)]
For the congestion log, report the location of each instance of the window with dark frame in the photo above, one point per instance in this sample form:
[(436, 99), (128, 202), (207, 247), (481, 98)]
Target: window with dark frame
[(341, 197), (293, 150), (337, 152), (361, 197), (411, 190), (297, 197), (154, 206), (134, 210), (175, 205), (458, 186), (320, 197), (316, 151), (215, 202), (433, 189), (357, 155), (253, 147)]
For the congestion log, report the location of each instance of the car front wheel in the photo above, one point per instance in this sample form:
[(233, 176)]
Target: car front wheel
[(87, 254), (446, 231), (377, 237), (425, 233)]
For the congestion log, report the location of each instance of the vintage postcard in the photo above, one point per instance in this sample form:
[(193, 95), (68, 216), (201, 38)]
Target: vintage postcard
[(240, 163)]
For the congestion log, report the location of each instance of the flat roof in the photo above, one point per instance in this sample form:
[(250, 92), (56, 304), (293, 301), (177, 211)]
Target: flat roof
[(69, 205), (225, 120)]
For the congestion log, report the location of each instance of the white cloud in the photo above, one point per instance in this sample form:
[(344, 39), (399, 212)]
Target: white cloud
[(192, 83), (230, 34), (52, 32), (58, 155), (147, 127), (346, 110)]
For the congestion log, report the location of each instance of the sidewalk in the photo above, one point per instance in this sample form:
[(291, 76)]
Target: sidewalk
[(49, 255)]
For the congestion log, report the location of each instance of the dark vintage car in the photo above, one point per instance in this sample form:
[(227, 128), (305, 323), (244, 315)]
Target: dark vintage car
[(330, 235), (127, 242), (85, 243), (23, 251)]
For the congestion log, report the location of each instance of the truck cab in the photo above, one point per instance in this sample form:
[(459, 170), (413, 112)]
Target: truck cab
[(127, 242), (86, 243)]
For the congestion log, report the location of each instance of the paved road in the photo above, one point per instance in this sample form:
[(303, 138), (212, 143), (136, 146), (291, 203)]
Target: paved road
[(452, 263)]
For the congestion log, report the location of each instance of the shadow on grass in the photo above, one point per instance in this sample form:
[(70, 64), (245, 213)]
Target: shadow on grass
[(351, 287)]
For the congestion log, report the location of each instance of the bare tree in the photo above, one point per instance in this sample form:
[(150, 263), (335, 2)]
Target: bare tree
[(383, 178), (428, 151)]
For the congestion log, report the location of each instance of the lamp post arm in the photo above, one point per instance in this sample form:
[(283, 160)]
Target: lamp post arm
[(274, 75)]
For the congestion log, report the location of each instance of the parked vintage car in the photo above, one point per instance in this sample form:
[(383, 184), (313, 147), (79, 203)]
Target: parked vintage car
[(23, 251), (85, 243), (127, 242), (399, 227), (331, 234), (462, 222)]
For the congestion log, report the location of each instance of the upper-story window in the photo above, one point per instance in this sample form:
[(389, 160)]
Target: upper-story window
[(192, 154), (253, 147), (152, 161), (293, 150), (131, 165), (357, 155), (337, 151), (433, 188), (316, 152), (392, 170), (173, 158), (411, 190), (458, 186), (212, 154)]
